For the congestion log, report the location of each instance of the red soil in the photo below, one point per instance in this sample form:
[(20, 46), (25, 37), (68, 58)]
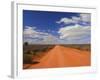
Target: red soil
[(61, 56)]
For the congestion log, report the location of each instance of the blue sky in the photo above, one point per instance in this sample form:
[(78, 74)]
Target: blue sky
[(56, 27)]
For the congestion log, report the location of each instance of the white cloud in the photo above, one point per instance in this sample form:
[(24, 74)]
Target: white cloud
[(30, 31), (65, 21), (73, 33), (68, 35), (32, 35), (75, 19), (83, 17)]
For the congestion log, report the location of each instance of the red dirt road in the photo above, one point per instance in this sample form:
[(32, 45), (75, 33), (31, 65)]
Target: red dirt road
[(61, 56)]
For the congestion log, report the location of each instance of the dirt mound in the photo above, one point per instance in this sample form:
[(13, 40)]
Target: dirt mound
[(61, 56)]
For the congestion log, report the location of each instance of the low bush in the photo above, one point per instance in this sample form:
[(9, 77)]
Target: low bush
[(27, 58)]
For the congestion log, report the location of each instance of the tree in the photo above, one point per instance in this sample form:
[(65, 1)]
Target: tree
[(26, 43)]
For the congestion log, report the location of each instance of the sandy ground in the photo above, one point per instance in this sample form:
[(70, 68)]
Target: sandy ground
[(61, 56)]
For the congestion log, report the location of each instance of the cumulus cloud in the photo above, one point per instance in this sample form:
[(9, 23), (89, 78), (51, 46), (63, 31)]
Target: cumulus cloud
[(66, 20), (34, 36), (76, 33), (69, 20), (67, 35), (83, 17)]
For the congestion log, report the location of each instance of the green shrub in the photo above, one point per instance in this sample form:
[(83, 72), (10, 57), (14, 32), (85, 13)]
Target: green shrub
[(27, 58)]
